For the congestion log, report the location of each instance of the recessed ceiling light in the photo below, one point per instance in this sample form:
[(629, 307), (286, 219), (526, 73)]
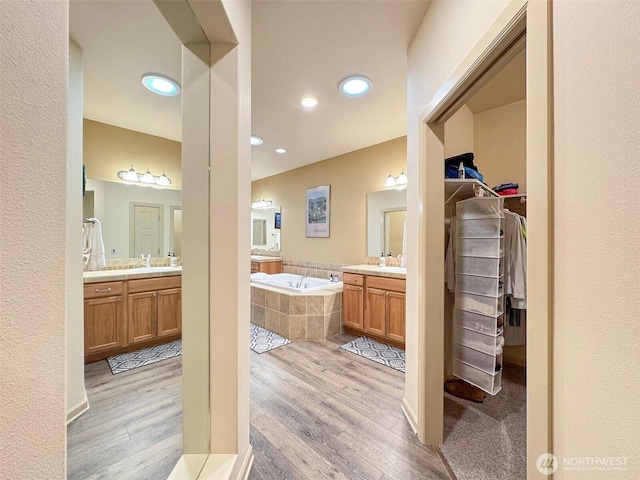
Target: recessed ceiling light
[(256, 140), (281, 150), (355, 85), (161, 84), (309, 102)]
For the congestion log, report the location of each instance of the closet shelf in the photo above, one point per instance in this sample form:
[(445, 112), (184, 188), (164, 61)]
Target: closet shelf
[(461, 188)]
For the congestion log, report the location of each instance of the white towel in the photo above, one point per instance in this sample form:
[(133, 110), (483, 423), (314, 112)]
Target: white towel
[(94, 245)]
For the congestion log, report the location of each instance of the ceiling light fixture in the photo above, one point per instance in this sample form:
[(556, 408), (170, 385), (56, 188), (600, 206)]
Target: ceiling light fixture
[(309, 102), (281, 150), (161, 84), (262, 203), (256, 140), (355, 85), (132, 176), (400, 181)]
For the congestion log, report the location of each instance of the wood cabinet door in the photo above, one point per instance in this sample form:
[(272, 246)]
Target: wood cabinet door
[(169, 312), (142, 316), (352, 306), (396, 315), (104, 326), (375, 312)]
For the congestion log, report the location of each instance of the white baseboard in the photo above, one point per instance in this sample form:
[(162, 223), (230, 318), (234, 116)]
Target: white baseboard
[(212, 467), (410, 415), (245, 468), (77, 410)]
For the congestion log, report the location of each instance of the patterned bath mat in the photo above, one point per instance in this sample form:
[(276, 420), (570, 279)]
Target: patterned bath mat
[(263, 340), (378, 352), (128, 361)]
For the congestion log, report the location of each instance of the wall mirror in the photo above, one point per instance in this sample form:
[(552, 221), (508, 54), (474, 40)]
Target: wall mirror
[(135, 219), (265, 228), (386, 214)]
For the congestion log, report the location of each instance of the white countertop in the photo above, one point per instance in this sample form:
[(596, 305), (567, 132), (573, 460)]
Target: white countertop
[(265, 258), (393, 272), (130, 273)]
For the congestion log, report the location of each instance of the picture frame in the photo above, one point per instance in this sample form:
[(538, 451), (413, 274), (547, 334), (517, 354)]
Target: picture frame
[(317, 212)]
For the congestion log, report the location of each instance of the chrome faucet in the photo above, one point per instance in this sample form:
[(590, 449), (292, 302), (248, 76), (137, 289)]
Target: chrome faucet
[(146, 262), (302, 277)]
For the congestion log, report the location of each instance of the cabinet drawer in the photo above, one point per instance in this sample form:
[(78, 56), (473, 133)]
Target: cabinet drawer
[(353, 279), (99, 290), (385, 283), (150, 284)]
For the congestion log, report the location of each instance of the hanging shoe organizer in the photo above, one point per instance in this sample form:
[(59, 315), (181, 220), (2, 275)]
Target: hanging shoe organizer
[(479, 297)]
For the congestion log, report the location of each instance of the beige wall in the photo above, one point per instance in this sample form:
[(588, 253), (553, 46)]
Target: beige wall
[(33, 194), (459, 132), (76, 395), (351, 177), (596, 359), (500, 141), (458, 24), (108, 149)]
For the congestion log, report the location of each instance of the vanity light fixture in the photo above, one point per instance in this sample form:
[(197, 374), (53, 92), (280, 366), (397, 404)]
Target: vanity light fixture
[(309, 102), (262, 203), (355, 85), (132, 176), (399, 181), (161, 84), (256, 140), (281, 150)]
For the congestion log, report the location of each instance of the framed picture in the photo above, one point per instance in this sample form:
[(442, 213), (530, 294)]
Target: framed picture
[(278, 220), (317, 212)]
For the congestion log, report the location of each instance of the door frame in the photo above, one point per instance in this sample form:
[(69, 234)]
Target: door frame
[(487, 57)]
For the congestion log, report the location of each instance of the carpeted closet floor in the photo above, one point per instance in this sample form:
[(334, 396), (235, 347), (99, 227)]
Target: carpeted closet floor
[(488, 441)]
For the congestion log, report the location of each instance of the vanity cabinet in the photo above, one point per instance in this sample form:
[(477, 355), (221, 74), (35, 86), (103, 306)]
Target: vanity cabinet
[(385, 307), (155, 308), (375, 306), (266, 267), (130, 315), (353, 301), (104, 320)]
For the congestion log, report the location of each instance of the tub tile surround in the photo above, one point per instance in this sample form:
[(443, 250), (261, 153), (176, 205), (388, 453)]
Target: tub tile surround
[(298, 316), (312, 269)]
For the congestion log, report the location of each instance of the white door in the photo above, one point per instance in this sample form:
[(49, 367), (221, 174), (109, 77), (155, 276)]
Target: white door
[(146, 227)]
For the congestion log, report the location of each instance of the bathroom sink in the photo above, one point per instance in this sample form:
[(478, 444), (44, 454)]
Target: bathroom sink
[(394, 269)]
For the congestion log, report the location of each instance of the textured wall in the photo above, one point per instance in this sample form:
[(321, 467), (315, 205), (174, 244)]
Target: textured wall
[(33, 156), (351, 177), (596, 365)]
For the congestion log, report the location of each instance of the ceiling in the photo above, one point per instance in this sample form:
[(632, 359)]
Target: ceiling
[(299, 48), (508, 86)]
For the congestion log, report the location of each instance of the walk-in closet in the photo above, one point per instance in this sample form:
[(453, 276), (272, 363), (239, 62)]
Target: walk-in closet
[(485, 279)]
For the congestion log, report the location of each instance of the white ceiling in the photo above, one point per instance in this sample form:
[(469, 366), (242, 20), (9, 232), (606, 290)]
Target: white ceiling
[(299, 48)]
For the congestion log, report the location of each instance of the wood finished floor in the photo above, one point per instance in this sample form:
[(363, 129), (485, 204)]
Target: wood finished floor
[(317, 412)]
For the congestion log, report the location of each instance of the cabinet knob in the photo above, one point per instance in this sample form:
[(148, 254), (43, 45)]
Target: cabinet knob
[(99, 290), (387, 294), (360, 289)]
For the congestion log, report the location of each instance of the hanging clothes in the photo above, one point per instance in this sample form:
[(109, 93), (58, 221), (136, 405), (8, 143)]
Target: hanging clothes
[(515, 272)]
